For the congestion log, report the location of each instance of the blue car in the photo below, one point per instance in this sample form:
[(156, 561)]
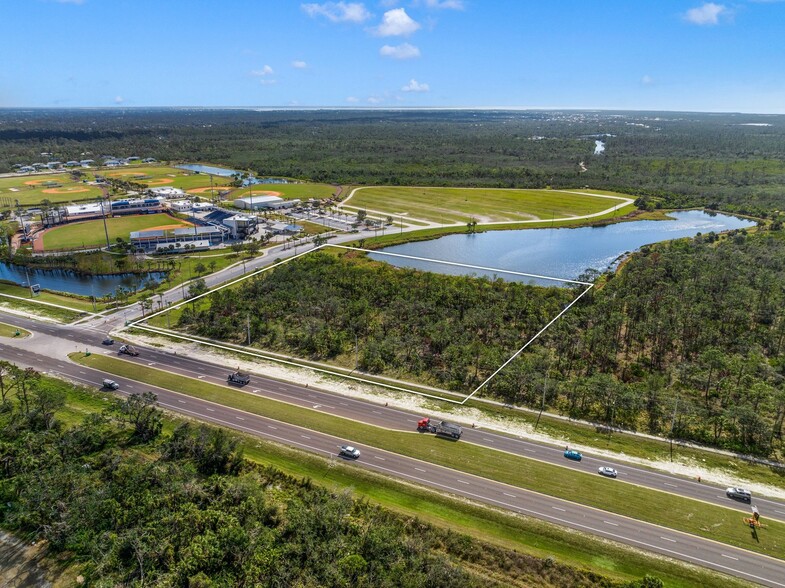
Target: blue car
[(572, 454)]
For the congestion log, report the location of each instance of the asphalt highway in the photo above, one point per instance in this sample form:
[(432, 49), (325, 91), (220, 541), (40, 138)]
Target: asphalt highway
[(58, 340), (737, 562)]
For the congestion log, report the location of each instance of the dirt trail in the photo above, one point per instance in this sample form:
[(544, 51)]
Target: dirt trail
[(21, 565)]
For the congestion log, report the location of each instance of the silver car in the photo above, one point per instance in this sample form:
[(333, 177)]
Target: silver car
[(739, 494), (607, 471), (349, 451)]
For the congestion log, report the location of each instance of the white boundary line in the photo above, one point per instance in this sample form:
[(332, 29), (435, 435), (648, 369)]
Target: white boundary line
[(167, 332)]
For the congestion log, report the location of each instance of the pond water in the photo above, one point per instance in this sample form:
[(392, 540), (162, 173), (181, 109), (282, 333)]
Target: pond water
[(560, 253), (71, 282), (208, 169)]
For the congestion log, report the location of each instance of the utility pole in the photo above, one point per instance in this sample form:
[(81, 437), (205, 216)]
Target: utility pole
[(103, 217), (356, 353), (542, 406), (673, 424)]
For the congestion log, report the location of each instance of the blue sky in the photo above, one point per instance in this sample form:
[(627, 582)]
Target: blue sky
[(658, 54)]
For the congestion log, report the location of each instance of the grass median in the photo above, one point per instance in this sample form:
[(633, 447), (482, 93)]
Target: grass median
[(521, 533), (669, 510)]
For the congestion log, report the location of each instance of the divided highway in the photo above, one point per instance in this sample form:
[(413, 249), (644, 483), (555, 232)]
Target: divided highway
[(47, 349)]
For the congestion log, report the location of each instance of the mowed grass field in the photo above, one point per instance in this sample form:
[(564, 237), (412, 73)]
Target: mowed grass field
[(288, 191), (155, 176), (486, 205), (91, 233), (32, 189)]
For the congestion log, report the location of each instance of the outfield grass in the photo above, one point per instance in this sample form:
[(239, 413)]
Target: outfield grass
[(705, 520), (510, 531), (91, 233), (460, 205), (19, 188), (288, 191)]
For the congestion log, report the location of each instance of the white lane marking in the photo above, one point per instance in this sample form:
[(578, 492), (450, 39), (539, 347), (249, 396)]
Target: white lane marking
[(419, 469), (317, 405), (271, 427), (557, 508), (61, 366), (611, 523), (20, 354), (343, 404), (779, 511), (151, 363), (671, 485), (305, 436), (529, 450), (81, 372), (376, 412), (488, 440), (510, 495), (181, 401), (378, 457), (239, 418), (210, 409), (463, 481), (200, 377), (729, 557), (256, 391), (668, 539)]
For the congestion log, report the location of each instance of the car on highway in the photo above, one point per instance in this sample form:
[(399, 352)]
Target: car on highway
[(607, 471), (349, 451), (111, 384), (572, 454), (107, 341), (739, 494)]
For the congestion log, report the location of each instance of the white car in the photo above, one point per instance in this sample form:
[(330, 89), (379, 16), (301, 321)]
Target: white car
[(349, 451), (607, 471), (739, 494)]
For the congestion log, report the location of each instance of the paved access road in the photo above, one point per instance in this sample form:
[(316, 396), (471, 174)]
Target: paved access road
[(737, 562)]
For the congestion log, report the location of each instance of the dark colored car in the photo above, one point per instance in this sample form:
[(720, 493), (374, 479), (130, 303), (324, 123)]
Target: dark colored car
[(108, 341)]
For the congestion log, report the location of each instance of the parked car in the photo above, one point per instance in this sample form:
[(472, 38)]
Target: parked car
[(111, 384), (349, 451), (572, 454), (739, 494), (608, 471), (108, 341)]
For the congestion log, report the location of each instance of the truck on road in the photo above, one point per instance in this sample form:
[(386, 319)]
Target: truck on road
[(128, 350), (238, 378), (442, 428)]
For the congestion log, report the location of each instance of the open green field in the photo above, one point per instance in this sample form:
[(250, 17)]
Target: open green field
[(669, 510), (460, 205), (288, 191), (156, 176), (91, 233), (32, 189), (11, 331)]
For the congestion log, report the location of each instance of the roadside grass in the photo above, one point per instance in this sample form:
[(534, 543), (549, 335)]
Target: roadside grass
[(448, 205), (717, 523), (11, 332), (91, 233), (524, 534), (77, 304)]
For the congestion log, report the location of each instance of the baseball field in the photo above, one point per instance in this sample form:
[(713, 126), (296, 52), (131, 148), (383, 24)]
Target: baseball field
[(91, 233), (30, 190)]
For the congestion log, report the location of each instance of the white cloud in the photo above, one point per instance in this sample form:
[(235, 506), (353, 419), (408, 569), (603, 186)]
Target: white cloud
[(119, 99), (402, 51), (396, 22), (647, 80), (297, 64), (415, 86), (265, 71), (451, 4), (708, 14), (352, 100), (374, 100), (338, 11)]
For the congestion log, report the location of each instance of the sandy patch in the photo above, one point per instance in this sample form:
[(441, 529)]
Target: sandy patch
[(158, 181), (265, 193), (65, 190), (37, 182), (463, 415), (208, 189), (124, 173)]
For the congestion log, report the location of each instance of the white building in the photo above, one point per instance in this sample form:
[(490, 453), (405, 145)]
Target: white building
[(179, 205), (240, 225), (264, 202), (167, 192)]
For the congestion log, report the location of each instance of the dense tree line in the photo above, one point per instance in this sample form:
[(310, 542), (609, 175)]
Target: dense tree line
[(688, 339), (133, 507), (439, 329), (670, 159)]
